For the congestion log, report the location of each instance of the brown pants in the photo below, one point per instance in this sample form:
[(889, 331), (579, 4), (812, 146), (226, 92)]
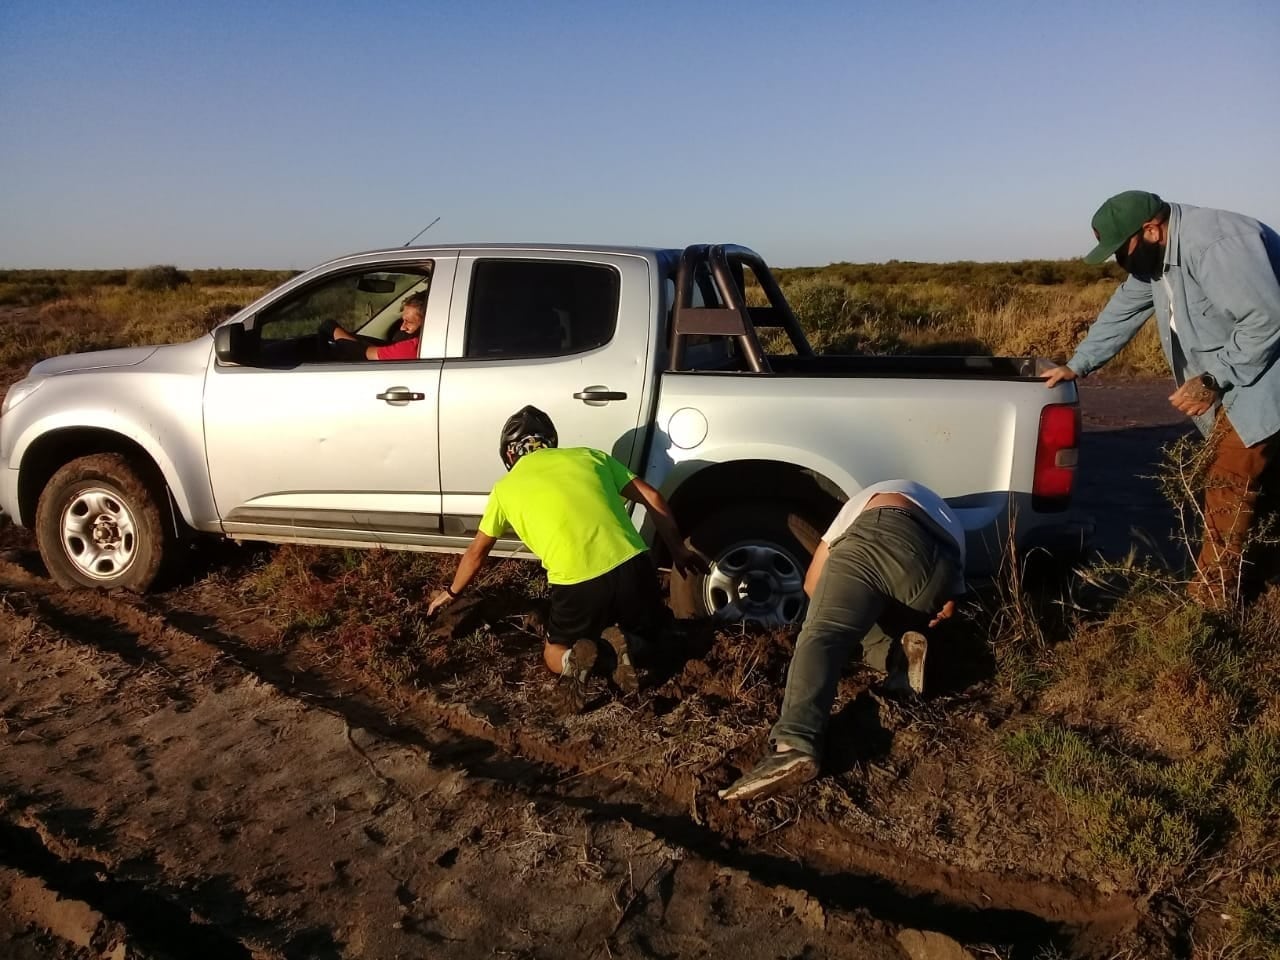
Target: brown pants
[(1237, 476)]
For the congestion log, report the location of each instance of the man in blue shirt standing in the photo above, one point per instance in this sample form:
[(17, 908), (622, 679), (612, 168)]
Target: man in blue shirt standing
[(1213, 280)]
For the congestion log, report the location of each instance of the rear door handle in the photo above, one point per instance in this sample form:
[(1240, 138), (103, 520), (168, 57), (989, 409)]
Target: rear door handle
[(400, 395), (599, 394)]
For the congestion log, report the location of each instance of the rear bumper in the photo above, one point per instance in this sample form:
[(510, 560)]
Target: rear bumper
[(1069, 539)]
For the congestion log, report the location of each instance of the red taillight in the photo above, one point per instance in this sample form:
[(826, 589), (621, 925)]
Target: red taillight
[(1056, 453)]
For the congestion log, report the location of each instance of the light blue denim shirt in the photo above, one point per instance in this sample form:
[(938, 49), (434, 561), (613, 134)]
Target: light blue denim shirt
[(1223, 297)]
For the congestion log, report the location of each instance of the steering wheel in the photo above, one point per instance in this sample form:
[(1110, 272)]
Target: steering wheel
[(330, 348), (344, 351)]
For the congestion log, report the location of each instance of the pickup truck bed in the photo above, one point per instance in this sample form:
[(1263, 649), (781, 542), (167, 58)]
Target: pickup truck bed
[(945, 368)]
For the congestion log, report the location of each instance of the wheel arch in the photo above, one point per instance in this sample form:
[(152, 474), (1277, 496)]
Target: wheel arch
[(712, 487), (49, 452)]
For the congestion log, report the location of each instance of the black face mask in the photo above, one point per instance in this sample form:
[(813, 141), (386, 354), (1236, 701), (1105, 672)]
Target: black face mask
[(1146, 262)]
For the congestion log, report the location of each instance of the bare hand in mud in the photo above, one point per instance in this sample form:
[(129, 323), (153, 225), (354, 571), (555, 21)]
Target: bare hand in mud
[(441, 599), (946, 613), (1193, 397), (687, 562), (1057, 374)]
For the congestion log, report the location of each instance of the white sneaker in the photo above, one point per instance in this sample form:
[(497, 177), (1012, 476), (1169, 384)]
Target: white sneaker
[(907, 672)]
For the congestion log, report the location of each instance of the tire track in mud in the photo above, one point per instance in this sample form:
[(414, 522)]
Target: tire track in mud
[(849, 873), (158, 850), (155, 923), (52, 838)]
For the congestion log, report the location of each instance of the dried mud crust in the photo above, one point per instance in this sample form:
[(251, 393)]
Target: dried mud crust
[(205, 811), (852, 844), (38, 924)]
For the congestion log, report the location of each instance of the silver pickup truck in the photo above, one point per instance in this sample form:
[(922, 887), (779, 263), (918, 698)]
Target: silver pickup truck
[(687, 365)]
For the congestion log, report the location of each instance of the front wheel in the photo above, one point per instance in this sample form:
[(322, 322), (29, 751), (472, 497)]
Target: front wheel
[(99, 524), (758, 552)]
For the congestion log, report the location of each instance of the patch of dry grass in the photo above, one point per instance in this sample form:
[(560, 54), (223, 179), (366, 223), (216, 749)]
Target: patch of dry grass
[(1157, 722), (368, 607), (106, 317), (938, 316), (1256, 908)]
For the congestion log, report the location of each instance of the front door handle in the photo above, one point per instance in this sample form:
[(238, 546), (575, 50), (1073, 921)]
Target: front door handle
[(400, 395), (599, 394)]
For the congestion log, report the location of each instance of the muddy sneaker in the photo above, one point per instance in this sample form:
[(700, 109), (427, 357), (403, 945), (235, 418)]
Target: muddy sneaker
[(624, 672), (906, 665), (569, 695), (916, 647), (777, 772)]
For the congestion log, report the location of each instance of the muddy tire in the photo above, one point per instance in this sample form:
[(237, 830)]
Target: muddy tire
[(758, 553), (100, 524)]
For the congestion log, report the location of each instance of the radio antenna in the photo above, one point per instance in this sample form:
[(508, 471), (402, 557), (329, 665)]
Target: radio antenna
[(422, 231)]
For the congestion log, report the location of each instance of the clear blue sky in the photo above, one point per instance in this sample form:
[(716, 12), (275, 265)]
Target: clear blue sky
[(278, 134)]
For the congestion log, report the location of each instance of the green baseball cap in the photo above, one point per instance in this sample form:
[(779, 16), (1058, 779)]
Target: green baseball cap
[(1119, 219)]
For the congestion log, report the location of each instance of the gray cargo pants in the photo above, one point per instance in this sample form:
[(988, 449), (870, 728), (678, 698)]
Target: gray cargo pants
[(891, 571)]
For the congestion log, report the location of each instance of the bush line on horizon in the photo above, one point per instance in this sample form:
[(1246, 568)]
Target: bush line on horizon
[(1029, 308)]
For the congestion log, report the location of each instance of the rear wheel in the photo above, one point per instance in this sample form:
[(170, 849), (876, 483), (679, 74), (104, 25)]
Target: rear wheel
[(99, 524), (758, 552)]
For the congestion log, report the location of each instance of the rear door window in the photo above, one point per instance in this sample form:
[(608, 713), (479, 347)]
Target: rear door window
[(539, 308)]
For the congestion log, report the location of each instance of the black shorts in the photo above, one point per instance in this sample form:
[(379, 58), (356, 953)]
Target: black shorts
[(627, 596)]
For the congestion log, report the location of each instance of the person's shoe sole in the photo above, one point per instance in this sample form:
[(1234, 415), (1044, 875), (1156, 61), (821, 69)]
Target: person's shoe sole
[(569, 695), (804, 769), (624, 672), (916, 647)]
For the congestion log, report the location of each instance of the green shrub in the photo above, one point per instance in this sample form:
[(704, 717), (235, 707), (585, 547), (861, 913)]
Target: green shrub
[(1258, 910), (821, 305), (1145, 817), (159, 277), (226, 277)]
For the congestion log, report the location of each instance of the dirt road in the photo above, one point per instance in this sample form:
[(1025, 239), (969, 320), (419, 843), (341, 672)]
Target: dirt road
[(1126, 424), (205, 806), (179, 778)]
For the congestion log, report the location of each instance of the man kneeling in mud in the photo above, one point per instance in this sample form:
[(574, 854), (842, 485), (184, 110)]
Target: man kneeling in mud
[(568, 507), (893, 556)]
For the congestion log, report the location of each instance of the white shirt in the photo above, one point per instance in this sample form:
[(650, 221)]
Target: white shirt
[(917, 493), (1168, 291)]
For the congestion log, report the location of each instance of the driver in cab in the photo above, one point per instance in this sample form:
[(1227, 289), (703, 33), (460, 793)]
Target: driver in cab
[(403, 342)]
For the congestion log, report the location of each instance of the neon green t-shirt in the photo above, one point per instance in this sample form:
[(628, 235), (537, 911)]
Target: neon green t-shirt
[(566, 507)]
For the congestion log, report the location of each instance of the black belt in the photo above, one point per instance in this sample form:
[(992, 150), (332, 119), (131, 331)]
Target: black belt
[(914, 514)]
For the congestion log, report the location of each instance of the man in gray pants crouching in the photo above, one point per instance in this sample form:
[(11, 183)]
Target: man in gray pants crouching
[(893, 555)]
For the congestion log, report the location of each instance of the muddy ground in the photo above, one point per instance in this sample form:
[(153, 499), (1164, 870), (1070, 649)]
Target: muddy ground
[(183, 776)]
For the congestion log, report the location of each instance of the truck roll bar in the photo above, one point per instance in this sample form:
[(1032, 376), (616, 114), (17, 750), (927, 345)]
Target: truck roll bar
[(719, 271)]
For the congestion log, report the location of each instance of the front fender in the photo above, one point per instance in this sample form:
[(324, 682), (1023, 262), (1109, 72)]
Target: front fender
[(179, 457)]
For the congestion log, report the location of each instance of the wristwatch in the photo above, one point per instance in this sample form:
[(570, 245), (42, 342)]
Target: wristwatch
[(1210, 383)]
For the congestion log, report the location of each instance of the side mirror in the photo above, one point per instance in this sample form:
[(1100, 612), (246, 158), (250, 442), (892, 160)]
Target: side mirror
[(229, 342)]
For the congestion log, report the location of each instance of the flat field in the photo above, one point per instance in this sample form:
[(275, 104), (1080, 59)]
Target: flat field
[(279, 755)]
